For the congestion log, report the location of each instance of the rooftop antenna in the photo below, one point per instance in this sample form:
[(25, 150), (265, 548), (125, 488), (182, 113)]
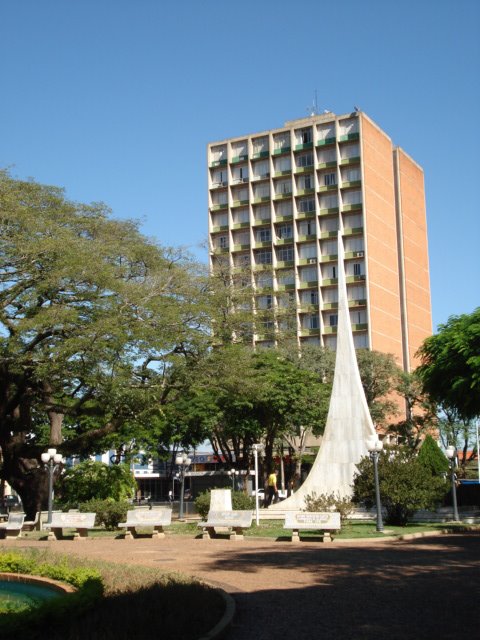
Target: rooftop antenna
[(313, 110)]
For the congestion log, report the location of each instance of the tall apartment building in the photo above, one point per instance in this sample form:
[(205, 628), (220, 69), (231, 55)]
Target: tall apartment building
[(277, 202)]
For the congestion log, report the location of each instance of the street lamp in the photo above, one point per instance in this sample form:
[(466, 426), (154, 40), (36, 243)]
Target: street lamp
[(51, 460), (183, 462), (232, 473), (451, 454), (374, 446), (257, 448)]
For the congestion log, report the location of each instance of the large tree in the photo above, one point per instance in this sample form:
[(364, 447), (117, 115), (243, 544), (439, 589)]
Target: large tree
[(90, 313), (450, 365)]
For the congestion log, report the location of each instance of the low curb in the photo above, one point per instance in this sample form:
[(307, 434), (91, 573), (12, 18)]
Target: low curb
[(225, 621)]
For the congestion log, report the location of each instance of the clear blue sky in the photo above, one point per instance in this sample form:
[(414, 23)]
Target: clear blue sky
[(115, 100)]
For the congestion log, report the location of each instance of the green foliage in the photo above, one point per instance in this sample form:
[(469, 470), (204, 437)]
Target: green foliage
[(240, 501), (379, 373), (108, 512), (329, 502), (450, 365), (432, 458), (405, 485), (32, 622), (95, 480)]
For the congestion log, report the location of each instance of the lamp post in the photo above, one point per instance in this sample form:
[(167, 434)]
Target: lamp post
[(232, 473), (374, 446), (51, 460), (256, 448), (451, 454), (183, 462)]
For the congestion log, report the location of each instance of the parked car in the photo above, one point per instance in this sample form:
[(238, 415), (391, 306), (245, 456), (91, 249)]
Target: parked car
[(9, 502)]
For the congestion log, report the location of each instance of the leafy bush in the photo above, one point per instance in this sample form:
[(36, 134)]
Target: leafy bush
[(329, 502), (109, 512), (95, 480), (405, 485), (240, 501), (432, 458)]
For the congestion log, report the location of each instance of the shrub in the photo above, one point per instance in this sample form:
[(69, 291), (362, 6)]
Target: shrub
[(329, 502), (95, 480), (109, 512), (405, 485), (240, 501), (432, 458)]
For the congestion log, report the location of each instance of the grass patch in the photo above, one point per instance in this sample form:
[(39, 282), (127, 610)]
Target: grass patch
[(138, 602)]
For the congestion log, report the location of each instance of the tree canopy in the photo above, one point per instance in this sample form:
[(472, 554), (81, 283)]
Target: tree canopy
[(91, 315), (450, 365)]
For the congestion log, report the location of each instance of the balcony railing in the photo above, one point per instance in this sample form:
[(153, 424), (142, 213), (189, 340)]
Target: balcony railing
[(328, 187), (325, 142), (351, 160), (303, 146), (237, 159), (281, 151), (219, 207), (349, 137), (352, 207), (218, 163)]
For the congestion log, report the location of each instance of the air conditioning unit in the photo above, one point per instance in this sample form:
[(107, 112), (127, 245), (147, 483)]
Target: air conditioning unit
[(359, 254), (312, 261)]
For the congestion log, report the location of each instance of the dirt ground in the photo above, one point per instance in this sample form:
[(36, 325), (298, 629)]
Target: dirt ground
[(424, 588)]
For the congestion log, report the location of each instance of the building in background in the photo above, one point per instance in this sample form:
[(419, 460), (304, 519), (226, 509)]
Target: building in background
[(277, 201)]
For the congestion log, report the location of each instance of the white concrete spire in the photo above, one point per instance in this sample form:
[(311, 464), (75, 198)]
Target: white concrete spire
[(349, 424)]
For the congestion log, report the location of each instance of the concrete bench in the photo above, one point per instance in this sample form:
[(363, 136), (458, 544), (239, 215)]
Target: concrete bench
[(12, 528), (81, 522), (312, 521), (234, 521), (140, 518)]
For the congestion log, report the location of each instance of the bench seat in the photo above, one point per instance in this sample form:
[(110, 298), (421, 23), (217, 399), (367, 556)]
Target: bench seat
[(234, 521), (12, 528), (141, 518), (81, 522), (312, 521)]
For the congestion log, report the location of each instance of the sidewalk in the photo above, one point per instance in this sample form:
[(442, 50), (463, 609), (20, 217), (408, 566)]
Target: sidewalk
[(424, 588)]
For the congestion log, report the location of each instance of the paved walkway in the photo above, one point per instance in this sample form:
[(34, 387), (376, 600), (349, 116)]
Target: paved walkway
[(424, 588)]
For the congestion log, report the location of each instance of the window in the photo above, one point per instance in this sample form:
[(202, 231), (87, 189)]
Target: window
[(304, 160), (239, 148), (283, 187), (306, 205), (281, 140), (283, 164), (223, 242), (285, 231), (352, 197), (284, 208), (285, 255), (241, 238), (333, 320), (260, 144), (219, 153), (304, 136), (286, 278), (263, 257), (264, 302), (313, 322), (242, 260), (327, 155), (305, 182), (348, 126), (261, 190), (334, 272), (328, 202), (357, 269), (306, 228), (264, 280), (325, 131), (309, 274), (240, 215), (264, 235), (220, 220), (308, 250), (329, 179), (349, 151), (262, 212)]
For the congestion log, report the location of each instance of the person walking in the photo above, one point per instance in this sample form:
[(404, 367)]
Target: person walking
[(272, 488)]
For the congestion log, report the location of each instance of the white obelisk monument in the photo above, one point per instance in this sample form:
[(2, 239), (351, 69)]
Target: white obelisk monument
[(349, 424)]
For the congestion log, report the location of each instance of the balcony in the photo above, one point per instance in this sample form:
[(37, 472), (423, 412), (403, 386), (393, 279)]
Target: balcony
[(261, 244), (307, 169), (352, 231), (325, 142), (281, 151), (329, 330), (306, 261), (262, 222), (305, 192), (327, 306), (237, 159), (287, 218), (239, 203), (222, 227), (264, 176), (303, 146), (286, 287), (328, 187), (303, 215), (218, 163), (220, 250), (353, 160), (285, 172), (306, 238), (328, 212), (311, 284), (327, 165), (354, 254), (261, 266), (332, 257), (219, 185), (328, 234), (304, 333), (282, 196), (239, 181), (357, 206), (351, 184), (360, 327), (240, 247), (241, 225), (307, 308), (260, 154), (352, 279), (357, 303), (261, 199), (219, 207), (285, 264), (349, 137), (328, 282)]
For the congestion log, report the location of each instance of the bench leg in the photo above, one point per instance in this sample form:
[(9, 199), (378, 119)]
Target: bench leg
[(236, 533), (80, 534), (295, 536), (327, 537), (54, 534), (208, 533), (158, 532), (129, 533)]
